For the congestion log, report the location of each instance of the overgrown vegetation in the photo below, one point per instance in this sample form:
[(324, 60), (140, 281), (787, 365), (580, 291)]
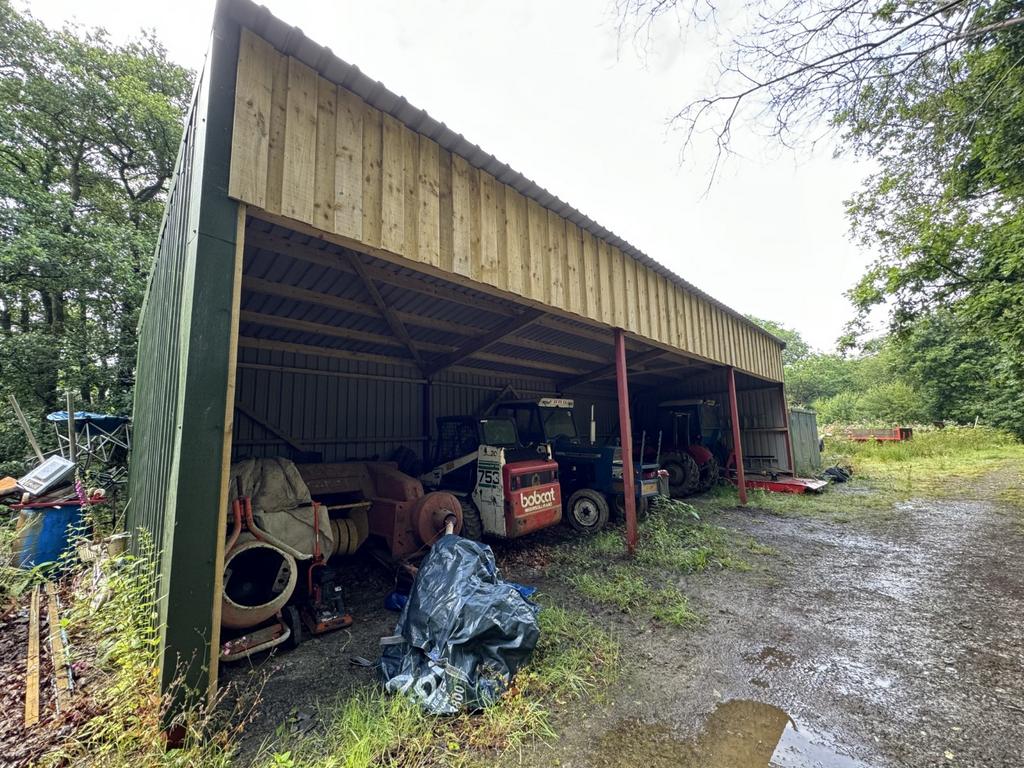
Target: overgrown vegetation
[(117, 715), (936, 463), (574, 659)]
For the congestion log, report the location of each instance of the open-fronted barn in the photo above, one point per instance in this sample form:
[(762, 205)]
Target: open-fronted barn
[(337, 269)]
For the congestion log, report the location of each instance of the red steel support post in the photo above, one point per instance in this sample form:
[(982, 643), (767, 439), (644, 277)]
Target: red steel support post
[(737, 448), (626, 439), (789, 433)]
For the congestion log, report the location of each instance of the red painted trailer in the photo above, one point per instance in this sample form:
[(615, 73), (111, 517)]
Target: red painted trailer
[(772, 480), (894, 435)]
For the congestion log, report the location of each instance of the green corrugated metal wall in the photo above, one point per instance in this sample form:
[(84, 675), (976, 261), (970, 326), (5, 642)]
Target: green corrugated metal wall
[(183, 374), (803, 427)]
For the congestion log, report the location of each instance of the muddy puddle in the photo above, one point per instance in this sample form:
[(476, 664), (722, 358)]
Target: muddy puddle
[(738, 734)]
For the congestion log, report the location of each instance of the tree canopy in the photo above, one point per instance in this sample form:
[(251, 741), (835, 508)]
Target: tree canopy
[(933, 95), (89, 131)]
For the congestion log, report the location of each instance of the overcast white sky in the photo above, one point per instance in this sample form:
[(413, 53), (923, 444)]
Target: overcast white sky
[(543, 87)]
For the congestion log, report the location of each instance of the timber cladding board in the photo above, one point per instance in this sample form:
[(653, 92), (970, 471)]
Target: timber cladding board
[(312, 151)]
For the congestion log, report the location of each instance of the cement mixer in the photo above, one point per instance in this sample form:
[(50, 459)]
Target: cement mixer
[(289, 520)]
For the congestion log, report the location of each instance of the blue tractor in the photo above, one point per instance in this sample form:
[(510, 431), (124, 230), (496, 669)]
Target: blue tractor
[(590, 471)]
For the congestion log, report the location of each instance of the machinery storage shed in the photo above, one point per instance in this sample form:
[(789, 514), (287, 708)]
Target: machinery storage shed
[(337, 269)]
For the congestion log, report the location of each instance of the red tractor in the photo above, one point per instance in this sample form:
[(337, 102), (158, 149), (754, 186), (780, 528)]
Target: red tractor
[(691, 466)]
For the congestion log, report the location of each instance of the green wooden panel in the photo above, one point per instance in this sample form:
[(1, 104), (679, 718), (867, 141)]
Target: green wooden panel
[(183, 373)]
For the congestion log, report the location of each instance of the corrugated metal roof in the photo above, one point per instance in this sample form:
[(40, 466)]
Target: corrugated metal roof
[(438, 315), (293, 42)]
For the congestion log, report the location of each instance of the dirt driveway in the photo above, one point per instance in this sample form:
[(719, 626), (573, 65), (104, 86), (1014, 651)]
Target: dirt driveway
[(891, 644), (897, 642)]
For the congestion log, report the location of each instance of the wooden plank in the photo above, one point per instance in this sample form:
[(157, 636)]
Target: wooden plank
[(537, 223), (517, 241), (271, 288), (574, 269), (620, 294), (311, 253), (428, 195), (461, 225), (477, 344), (32, 662), (654, 315), (606, 370), (643, 302), (575, 353), (556, 260), (446, 229), (664, 324), (500, 193), (631, 293), (392, 236), (590, 294), (58, 653), (251, 342), (333, 331), (394, 322), (300, 143), (250, 133), (410, 186), (372, 176), (326, 154), (348, 165), (693, 322), (226, 440), (490, 266), (271, 427), (701, 317), (475, 224), (275, 139), (604, 282)]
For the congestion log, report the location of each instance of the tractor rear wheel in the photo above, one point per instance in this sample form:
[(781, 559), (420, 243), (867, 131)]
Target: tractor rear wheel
[(683, 474), (708, 475), (587, 511), (472, 525)]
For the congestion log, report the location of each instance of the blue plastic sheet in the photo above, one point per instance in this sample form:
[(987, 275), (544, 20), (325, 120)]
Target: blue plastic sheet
[(463, 632)]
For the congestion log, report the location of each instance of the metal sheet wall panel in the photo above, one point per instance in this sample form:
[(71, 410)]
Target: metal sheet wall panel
[(348, 410), (806, 446), (760, 409), (185, 364)]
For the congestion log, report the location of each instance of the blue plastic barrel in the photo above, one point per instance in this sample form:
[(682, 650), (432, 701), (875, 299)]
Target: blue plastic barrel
[(46, 533)]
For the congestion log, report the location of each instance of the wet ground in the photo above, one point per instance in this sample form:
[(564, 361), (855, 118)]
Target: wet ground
[(897, 643)]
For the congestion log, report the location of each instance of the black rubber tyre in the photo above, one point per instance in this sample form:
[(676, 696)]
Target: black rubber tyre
[(708, 475), (683, 474), (619, 507), (472, 525), (292, 620), (587, 511)]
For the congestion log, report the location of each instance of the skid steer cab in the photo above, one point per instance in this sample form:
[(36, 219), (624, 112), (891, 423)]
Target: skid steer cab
[(591, 472), (506, 490)]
